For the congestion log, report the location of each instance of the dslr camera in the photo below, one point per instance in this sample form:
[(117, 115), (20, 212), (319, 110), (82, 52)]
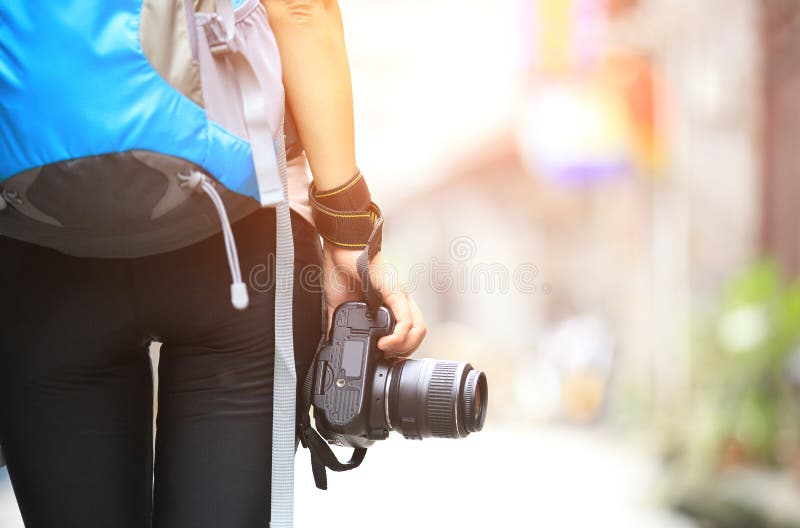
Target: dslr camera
[(359, 396)]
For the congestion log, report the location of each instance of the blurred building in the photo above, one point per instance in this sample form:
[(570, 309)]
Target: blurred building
[(705, 209), (613, 156)]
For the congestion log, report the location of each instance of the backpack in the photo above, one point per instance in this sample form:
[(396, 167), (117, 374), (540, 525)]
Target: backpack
[(116, 117)]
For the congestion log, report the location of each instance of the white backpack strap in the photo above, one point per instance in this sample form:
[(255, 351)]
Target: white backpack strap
[(285, 384), (285, 380)]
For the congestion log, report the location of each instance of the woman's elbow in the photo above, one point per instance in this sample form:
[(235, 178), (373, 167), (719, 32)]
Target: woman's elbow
[(297, 12)]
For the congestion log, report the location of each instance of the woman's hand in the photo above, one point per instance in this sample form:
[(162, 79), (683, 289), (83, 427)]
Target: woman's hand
[(342, 284)]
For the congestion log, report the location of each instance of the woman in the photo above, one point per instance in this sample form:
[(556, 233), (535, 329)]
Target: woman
[(75, 380)]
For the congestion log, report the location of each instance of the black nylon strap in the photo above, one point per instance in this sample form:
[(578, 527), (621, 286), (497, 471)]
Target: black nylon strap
[(322, 456), (372, 296)]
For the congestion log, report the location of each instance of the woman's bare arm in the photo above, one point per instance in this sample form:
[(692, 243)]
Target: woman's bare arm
[(316, 75)]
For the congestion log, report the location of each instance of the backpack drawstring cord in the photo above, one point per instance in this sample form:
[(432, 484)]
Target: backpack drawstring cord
[(200, 182)]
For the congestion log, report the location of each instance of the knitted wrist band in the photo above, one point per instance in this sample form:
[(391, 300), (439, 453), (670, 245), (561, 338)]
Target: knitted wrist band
[(353, 195), (346, 217)]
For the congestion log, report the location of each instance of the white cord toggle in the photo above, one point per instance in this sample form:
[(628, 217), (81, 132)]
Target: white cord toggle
[(197, 180), (239, 296)]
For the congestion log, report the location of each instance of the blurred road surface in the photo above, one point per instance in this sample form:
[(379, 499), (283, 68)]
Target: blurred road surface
[(552, 477)]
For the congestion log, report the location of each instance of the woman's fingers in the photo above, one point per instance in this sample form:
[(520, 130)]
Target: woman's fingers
[(409, 330), (418, 330), (397, 303)]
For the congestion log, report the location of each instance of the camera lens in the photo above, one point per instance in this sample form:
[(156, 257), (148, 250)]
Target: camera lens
[(475, 394), (429, 398)]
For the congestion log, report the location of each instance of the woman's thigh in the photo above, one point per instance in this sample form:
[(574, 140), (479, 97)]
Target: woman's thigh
[(214, 430), (75, 390)]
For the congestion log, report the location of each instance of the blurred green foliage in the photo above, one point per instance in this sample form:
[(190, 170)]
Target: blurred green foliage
[(732, 459), (747, 375)]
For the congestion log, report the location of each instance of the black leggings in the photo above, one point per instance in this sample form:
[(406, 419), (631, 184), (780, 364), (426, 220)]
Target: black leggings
[(76, 385)]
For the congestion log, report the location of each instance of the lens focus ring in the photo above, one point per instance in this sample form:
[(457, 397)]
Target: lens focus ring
[(441, 404)]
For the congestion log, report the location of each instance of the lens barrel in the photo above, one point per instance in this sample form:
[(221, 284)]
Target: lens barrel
[(430, 398)]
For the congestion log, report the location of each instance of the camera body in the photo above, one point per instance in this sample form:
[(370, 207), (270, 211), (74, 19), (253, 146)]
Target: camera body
[(359, 396), (345, 410)]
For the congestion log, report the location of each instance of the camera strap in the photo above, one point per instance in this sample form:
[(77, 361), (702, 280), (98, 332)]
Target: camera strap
[(372, 296), (322, 456)]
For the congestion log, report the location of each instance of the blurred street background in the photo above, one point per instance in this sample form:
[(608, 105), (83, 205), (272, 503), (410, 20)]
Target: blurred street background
[(596, 203)]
